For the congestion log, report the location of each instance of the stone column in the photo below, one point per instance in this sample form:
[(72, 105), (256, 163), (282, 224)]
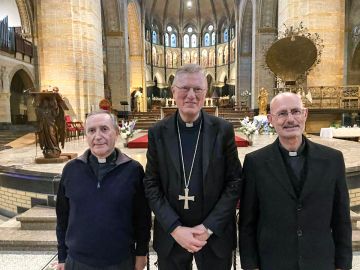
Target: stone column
[(70, 52), (5, 115), (117, 50), (327, 19)]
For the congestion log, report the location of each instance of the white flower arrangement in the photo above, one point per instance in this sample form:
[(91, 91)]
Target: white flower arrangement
[(263, 125), (260, 125), (127, 129), (247, 127)]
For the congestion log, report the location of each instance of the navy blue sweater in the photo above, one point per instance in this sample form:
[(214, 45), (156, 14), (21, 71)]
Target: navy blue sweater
[(102, 225)]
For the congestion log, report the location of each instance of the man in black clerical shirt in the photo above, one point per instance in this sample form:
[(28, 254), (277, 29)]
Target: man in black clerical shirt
[(295, 204), (103, 218), (192, 180)]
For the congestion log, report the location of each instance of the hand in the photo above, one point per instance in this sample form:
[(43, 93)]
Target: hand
[(184, 236), (204, 236), (140, 262), (60, 266)]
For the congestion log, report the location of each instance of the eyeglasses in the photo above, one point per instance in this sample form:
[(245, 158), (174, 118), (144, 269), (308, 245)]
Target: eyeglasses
[(296, 113), (186, 90)]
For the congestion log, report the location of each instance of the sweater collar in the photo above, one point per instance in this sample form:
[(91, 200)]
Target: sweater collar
[(121, 157)]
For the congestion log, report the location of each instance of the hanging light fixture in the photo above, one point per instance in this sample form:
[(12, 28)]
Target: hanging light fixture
[(189, 4)]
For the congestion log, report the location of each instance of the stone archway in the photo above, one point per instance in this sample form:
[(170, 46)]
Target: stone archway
[(27, 17), (21, 108)]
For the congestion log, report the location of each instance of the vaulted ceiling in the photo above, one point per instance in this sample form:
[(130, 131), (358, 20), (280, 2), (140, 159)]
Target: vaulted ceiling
[(182, 13)]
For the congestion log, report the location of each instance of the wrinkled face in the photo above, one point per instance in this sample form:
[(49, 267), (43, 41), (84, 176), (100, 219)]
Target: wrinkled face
[(189, 91), (288, 116), (101, 135)]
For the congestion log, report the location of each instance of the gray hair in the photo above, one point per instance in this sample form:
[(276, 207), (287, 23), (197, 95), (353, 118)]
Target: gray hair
[(113, 118), (189, 69)]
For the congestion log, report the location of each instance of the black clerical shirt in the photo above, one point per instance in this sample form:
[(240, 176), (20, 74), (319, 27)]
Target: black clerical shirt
[(101, 169), (296, 166), (193, 215)]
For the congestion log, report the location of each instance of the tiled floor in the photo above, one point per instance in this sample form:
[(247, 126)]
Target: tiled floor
[(11, 260)]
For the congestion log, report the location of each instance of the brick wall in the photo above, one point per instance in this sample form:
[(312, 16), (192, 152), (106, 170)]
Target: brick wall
[(16, 201), (354, 197)]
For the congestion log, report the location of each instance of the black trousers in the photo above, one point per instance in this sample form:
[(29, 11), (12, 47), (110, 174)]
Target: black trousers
[(206, 259), (71, 264)]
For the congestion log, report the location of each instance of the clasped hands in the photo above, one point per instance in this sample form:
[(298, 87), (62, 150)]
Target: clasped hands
[(192, 239)]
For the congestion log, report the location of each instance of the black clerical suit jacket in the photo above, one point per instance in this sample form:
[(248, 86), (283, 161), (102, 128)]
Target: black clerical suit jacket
[(280, 231), (221, 182)]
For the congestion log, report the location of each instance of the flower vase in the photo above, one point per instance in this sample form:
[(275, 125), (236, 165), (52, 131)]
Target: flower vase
[(249, 138)]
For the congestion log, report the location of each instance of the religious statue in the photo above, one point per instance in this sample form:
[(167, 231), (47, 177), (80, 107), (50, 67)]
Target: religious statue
[(138, 96), (51, 124), (262, 101)]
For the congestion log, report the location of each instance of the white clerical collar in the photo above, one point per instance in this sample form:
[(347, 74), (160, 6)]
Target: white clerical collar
[(101, 160), (293, 154), (190, 123)]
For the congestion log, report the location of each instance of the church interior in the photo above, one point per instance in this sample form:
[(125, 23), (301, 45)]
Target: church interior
[(122, 56)]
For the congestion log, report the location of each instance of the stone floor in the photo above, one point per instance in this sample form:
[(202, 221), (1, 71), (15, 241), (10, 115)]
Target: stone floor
[(11, 260), (23, 153)]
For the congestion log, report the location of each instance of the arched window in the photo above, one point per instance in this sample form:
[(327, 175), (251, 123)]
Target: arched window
[(154, 37), (207, 40), (209, 34), (172, 36), (213, 39), (173, 40), (193, 41), (226, 35), (166, 39), (186, 41)]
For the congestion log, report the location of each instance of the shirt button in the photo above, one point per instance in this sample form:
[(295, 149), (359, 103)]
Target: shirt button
[(299, 207), (299, 233)]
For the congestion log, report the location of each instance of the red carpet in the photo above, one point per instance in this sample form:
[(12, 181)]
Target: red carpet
[(142, 142)]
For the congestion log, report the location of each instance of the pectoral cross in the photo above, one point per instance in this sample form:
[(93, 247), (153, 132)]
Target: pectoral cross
[(186, 198)]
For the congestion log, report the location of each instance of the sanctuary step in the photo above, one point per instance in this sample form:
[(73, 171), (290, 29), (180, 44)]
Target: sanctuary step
[(234, 116), (7, 136), (27, 240), (33, 230), (355, 219), (144, 120), (38, 218)]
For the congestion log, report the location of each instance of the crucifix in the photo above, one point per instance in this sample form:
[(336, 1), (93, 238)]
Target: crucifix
[(186, 198)]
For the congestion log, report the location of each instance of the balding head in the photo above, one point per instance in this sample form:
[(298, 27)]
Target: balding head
[(282, 97)]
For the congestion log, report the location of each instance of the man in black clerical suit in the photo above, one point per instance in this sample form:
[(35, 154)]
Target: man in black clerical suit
[(192, 180), (295, 204)]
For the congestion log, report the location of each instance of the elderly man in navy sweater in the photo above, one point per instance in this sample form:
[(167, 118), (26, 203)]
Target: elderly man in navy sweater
[(103, 219)]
